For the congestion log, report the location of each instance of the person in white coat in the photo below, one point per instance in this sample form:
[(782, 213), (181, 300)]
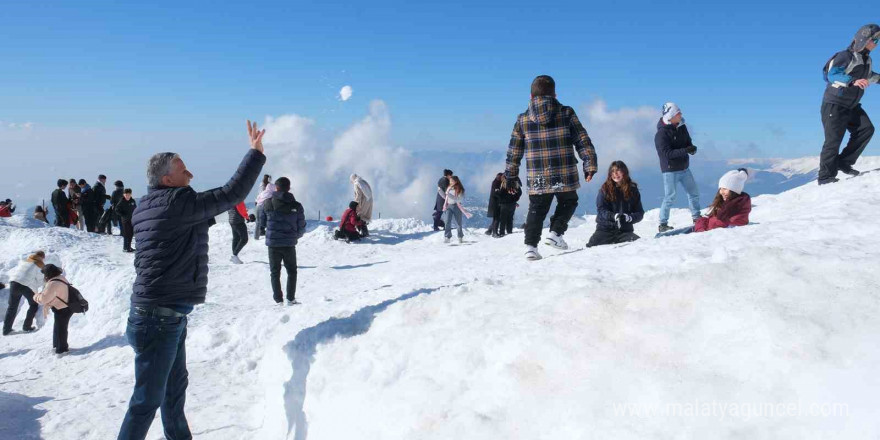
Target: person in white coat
[(25, 281), (363, 195)]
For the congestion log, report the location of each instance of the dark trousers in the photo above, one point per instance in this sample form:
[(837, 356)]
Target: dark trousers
[(90, 219), (62, 218), (837, 120), (16, 291), (539, 206), (239, 237), (103, 223), (438, 213), (59, 330), (496, 219), (505, 226), (604, 236), (127, 233), (287, 256), (160, 376)]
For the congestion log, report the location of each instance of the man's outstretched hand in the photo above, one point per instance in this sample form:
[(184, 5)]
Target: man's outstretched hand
[(255, 136)]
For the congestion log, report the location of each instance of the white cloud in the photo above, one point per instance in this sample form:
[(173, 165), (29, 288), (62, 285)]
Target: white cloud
[(625, 134), (345, 93)]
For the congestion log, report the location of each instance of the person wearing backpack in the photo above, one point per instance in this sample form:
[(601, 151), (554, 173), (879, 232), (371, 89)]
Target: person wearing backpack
[(56, 295), (847, 75), (24, 281)]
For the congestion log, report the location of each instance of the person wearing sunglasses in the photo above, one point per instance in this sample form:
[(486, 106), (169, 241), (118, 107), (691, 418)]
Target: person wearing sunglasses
[(847, 74)]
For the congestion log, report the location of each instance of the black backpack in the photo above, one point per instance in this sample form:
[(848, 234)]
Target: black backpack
[(75, 301)]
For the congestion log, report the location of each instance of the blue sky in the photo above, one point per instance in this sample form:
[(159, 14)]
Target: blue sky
[(453, 74)]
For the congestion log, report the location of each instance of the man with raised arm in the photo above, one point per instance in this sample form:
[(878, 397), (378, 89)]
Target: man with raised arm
[(171, 227)]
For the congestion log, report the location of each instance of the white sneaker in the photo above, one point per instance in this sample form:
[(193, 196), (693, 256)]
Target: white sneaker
[(532, 253), (555, 240), (236, 260), (460, 240), (446, 240)]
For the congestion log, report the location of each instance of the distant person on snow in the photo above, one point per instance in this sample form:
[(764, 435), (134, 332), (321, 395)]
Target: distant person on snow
[(115, 197), (453, 208), (74, 193), (350, 224), (442, 184), (493, 211), (25, 281), (55, 295), (238, 217), (171, 227), (87, 205), (286, 224), (363, 195), (103, 225), (510, 193), (731, 206), (548, 134), (7, 208), (267, 188), (40, 214), (674, 148), (61, 205), (618, 207), (124, 209), (847, 74)]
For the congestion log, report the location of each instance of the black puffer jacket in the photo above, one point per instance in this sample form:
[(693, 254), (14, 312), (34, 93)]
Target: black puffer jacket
[(671, 142), (606, 210), (285, 220), (171, 229), (100, 196)]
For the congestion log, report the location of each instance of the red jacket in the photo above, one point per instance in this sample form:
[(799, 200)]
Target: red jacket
[(349, 221), (242, 210), (4, 211), (732, 213)]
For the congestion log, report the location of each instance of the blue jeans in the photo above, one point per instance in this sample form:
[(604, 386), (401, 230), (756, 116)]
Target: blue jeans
[(670, 181), (160, 374), (453, 211)]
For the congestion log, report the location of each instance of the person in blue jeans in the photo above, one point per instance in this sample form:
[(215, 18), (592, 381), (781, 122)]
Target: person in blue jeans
[(674, 148), (171, 227)]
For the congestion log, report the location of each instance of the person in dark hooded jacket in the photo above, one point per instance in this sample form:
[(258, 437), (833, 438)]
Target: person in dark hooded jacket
[(494, 210), (103, 218), (847, 74), (115, 197), (507, 204), (171, 228), (124, 208), (349, 224), (285, 225), (60, 204), (618, 207), (87, 202)]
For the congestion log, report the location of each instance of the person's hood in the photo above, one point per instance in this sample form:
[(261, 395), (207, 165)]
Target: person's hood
[(865, 34), (283, 196), (661, 124), (542, 109)]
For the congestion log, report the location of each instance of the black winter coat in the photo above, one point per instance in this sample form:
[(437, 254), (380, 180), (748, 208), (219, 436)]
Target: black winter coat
[(125, 208), (606, 210), (171, 229), (100, 195), (505, 197), (493, 197), (116, 196), (671, 142), (285, 220), (59, 204)]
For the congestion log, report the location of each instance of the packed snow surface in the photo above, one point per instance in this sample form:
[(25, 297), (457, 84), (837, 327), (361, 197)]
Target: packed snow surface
[(767, 331)]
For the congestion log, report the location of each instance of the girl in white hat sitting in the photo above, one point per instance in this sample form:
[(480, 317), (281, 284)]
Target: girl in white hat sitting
[(731, 206)]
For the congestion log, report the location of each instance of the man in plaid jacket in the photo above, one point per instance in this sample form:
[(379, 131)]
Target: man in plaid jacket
[(545, 135)]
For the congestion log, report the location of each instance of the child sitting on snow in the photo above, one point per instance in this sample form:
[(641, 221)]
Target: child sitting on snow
[(619, 206), (731, 206)]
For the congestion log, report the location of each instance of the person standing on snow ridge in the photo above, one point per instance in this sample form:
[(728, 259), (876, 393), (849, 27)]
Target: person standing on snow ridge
[(267, 188), (286, 224), (61, 205), (507, 205), (494, 210), (171, 227), (25, 281), (442, 184), (238, 216), (87, 204), (674, 148), (847, 74), (74, 193), (363, 195), (453, 208), (548, 134), (124, 209), (118, 194), (618, 207), (103, 225)]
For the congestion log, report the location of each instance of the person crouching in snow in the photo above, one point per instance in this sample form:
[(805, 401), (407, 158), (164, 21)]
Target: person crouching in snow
[(731, 206), (238, 216), (619, 206), (349, 224), (507, 204), (453, 208), (24, 281), (363, 195), (55, 295), (285, 225)]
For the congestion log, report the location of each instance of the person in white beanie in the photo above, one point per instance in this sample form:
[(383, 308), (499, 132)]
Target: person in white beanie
[(731, 206), (363, 195), (674, 148)]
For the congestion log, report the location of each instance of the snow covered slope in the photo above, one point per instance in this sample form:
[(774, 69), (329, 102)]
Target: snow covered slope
[(403, 337)]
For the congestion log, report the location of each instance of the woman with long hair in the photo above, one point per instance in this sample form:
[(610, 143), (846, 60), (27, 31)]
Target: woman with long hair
[(509, 194), (619, 206), (453, 208), (267, 188)]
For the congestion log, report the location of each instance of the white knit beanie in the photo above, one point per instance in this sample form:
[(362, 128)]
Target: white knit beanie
[(670, 109), (734, 180)]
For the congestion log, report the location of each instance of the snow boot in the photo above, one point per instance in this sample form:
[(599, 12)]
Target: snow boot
[(460, 240), (846, 169), (236, 260), (556, 240), (532, 253), (827, 181), (446, 240), (293, 302), (664, 227)]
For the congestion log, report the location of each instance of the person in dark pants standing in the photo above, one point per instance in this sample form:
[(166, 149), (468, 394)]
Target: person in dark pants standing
[(124, 209), (60, 204), (103, 225), (56, 296), (171, 227), (285, 225), (238, 217), (115, 197), (494, 209), (87, 203), (25, 281), (548, 134), (442, 185), (847, 74)]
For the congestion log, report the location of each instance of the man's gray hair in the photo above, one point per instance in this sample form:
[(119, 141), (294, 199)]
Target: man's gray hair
[(159, 166)]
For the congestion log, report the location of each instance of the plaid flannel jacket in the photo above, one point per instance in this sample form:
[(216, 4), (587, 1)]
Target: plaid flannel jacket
[(545, 134)]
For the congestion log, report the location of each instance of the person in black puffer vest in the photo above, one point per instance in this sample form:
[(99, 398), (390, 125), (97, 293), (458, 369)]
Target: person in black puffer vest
[(619, 206), (285, 225), (171, 228)]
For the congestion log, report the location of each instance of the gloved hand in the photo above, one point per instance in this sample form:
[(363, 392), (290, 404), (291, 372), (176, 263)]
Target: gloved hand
[(622, 219), (691, 149), (251, 218)]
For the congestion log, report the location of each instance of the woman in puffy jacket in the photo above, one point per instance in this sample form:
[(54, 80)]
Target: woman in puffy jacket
[(731, 206), (56, 295), (618, 206), (24, 281)]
